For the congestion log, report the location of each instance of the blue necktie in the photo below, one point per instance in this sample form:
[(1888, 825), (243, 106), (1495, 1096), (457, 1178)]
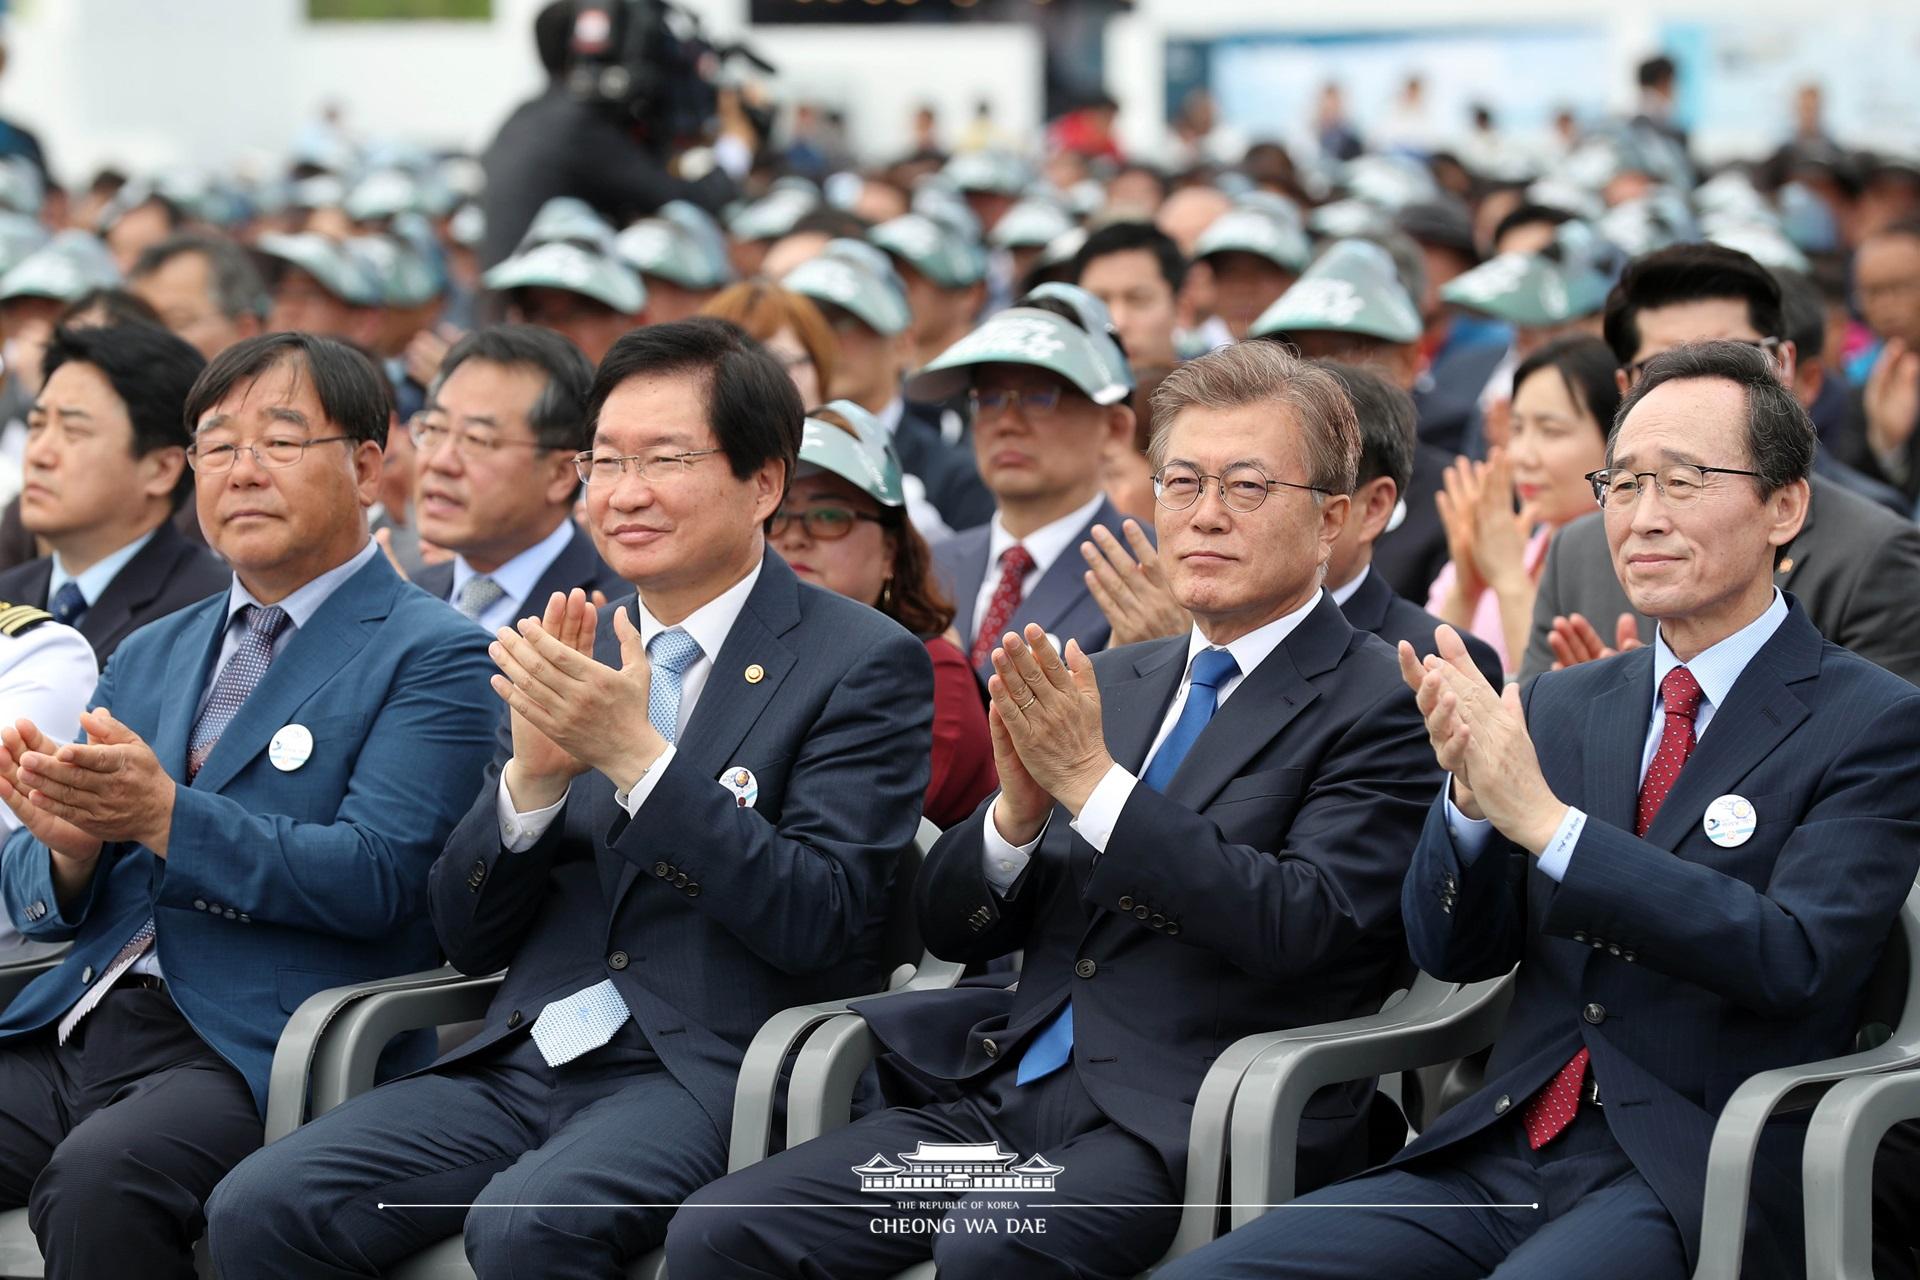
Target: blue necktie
[(1211, 669), (587, 1019), (68, 603)]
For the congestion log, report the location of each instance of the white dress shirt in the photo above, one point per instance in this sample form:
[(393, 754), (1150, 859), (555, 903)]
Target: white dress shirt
[(1004, 861), (1046, 544), (515, 578), (1715, 668), (98, 576), (708, 625)]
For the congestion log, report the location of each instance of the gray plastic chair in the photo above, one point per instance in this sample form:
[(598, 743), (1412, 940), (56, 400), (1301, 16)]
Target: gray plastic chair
[(1452, 1024), (362, 1025)]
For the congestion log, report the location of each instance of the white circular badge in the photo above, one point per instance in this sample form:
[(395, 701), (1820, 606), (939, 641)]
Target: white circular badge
[(1730, 821), (290, 748), (740, 781)]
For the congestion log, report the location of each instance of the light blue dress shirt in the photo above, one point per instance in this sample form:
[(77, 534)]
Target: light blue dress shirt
[(98, 576), (515, 578)]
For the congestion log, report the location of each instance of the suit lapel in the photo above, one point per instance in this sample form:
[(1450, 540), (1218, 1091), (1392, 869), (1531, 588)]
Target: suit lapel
[(571, 568), (730, 704), (1760, 711), (1616, 738), (331, 638), (1366, 609), (1062, 587), (1263, 706), (194, 651), (968, 564), (1132, 707)]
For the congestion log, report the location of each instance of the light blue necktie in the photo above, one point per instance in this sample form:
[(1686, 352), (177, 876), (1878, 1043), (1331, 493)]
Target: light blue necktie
[(587, 1019), (68, 603), (1212, 668)]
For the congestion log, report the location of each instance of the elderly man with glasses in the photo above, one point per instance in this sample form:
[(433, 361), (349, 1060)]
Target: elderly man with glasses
[(496, 476)]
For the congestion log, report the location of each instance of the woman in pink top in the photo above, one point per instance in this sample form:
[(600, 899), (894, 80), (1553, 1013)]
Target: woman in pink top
[(1564, 398)]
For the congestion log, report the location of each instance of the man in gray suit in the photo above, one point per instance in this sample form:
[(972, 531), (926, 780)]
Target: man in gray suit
[(1049, 385), (1854, 566), (692, 823)]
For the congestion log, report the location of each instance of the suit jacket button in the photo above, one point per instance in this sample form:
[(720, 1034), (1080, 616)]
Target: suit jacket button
[(479, 867), (86, 976), (199, 904), (618, 960), (245, 918), (1579, 936), (231, 914), (661, 869), (680, 880), (1594, 1013), (1158, 922), (513, 1020), (1173, 927), (1126, 902), (1142, 911), (1085, 968), (1502, 1104), (991, 1049), (1628, 955), (693, 890), (1613, 948)]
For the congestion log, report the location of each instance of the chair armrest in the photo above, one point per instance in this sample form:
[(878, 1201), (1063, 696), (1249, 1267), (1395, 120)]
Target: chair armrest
[(330, 1046), (1736, 1138), (1437, 1021), (1837, 1169), (27, 965), (756, 1093)]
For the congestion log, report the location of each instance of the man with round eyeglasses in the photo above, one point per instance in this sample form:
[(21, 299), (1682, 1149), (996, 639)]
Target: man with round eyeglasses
[(495, 478)]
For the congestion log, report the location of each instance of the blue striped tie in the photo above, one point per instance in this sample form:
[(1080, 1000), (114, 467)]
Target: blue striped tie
[(1212, 668)]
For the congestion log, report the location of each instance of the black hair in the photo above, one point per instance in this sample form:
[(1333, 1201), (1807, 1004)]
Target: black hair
[(558, 417), (1586, 368), (553, 37), (1780, 435), (1125, 237), (151, 371), (1526, 215), (115, 305), (237, 287), (1803, 310), (752, 406), (1688, 273), (1388, 423), (1656, 72), (353, 394)]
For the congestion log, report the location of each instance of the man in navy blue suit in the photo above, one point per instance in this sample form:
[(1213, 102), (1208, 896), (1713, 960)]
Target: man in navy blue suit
[(496, 479), (692, 824), (1195, 839), (1694, 851), (267, 778)]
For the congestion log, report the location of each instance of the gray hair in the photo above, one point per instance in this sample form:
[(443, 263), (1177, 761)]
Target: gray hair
[(238, 289), (1256, 372), (1780, 435)]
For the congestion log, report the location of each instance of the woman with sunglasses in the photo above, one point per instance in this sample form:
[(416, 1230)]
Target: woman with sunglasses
[(843, 526)]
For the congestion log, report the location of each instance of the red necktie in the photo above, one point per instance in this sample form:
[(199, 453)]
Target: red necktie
[(1551, 1110), (1016, 562)]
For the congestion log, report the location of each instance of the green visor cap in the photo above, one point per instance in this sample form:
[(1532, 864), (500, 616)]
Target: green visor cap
[(773, 215), (1528, 290), (866, 462), (1257, 232), (931, 249), (1029, 336), (567, 266), (382, 194), (405, 276), (20, 235), (668, 251), (569, 220), (324, 260), (992, 171), (857, 278), (1351, 288), (62, 269), (1031, 224)]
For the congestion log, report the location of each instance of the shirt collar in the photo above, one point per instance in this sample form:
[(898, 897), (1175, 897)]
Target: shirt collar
[(710, 623), (516, 578), (305, 600), (1252, 649), (98, 576), (1717, 667), (1343, 594), (1045, 544)]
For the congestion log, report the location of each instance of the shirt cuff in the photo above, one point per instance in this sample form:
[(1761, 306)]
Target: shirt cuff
[(1559, 851), (519, 832), (1101, 813), (1001, 863), (1470, 835), (632, 800)]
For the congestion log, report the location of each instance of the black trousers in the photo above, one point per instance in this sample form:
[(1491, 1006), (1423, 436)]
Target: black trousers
[(114, 1140)]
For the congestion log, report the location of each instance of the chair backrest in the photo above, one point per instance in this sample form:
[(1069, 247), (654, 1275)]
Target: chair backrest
[(902, 940), (1890, 1003)]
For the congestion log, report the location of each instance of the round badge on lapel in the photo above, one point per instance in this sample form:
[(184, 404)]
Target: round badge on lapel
[(1729, 821), (740, 781), (290, 748), (756, 673)]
